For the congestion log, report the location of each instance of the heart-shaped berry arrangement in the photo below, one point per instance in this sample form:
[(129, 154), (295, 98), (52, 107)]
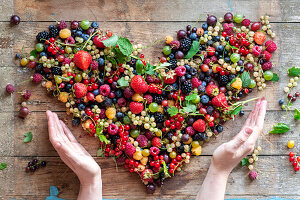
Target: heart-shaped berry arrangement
[(154, 117)]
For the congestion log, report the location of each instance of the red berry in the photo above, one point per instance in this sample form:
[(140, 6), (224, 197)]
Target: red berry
[(297, 168)]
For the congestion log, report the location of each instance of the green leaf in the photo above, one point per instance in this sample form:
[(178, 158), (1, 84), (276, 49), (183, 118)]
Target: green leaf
[(275, 78), (122, 82), (99, 132), (280, 128), (246, 79), (233, 47), (119, 57), (112, 60), (33, 53), (3, 166), (236, 111), (172, 111), (297, 114), (139, 67), (294, 71), (28, 137), (190, 108), (112, 41), (125, 46), (193, 50), (166, 171), (191, 97), (150, 69), (245, 161)]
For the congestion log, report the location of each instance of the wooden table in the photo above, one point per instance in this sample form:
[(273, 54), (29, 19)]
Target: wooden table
[(144, 22)]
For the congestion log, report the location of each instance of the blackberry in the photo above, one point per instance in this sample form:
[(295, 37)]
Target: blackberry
[(53, 31), (157, 98), (173, 63), (76, 121), (223, 80), (107, 102), (159, 117), (39, 68), (42, 36), (231, 77), (186, 44), (186, 87), (56, 71)]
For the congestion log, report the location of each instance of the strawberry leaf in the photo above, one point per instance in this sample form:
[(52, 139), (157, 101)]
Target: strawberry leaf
[(245, 79), (99, 133), (125, 46), (28, 137), (150, 69), (191, 97), (33, 53), (245, 162), (122, 82), (294, 71), (139, 67), (189, 108), (236, 111), (193, 50), (297, 114), (3, 166), (280, 128), (112, 41), (172, 111), (275, 78)]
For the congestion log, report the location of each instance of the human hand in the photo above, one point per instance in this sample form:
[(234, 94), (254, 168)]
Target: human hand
[(74, 155), (229, 154)]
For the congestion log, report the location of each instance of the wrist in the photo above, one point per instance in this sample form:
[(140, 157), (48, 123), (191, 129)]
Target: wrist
[(218, 173), (95, 181)]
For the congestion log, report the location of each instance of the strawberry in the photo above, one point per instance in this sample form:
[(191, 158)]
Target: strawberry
[(199, 125), (82, 59), (156, 142), (220, 101), (170, 78), (136, 107), (147, 175), (212, 90), (259, 38), (98, 41), (80, 90), (138, 84)]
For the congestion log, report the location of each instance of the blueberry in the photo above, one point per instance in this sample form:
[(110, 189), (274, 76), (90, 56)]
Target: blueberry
[(187, 67), (51, 27), (201, 76), (96, 92), (204, 83), (227, 38), (217, 38), (81, 106), (172, 55), (94, 25), (80, 29), (85, 37), (227, 59), (240, 94), (204, 99), (225, 53), (18, 56), (203, 136), (78, 33), (220, 48), (242, 69), (217, 54), (118, 93), (188, 76), (280, 101), (193, 36), (193, 71), (242, 113), (120, 115), (114, 100), (220, 57), (43, 54), (101, 61), (210, 109), (209, 42), (240, 62), (219, 128), (201, 88), (205, 26)]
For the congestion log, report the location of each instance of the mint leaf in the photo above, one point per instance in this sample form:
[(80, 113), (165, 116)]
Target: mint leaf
[(125, 46), (150, 69), (236, 111), (193, 50), (122, 82), (172, 111), (280, 128), (139, 67), (99, 133), (297, 114), (3, 166), (112, 41), (33, 53), (294, 71), (245, 161), (28, 137), (245, 79), (191, 97), (275, 78), (190, 108)]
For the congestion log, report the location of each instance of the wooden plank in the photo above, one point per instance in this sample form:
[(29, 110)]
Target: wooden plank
[(120, 184), (138, 10), (6, 9), (41, 146)]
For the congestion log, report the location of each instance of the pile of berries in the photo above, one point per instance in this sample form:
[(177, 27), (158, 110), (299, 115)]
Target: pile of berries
[(295, 160), (34, 165), (152, 118)]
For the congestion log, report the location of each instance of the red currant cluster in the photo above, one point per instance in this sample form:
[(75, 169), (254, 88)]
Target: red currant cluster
[(295, 161), (174, 123), (53, 48)]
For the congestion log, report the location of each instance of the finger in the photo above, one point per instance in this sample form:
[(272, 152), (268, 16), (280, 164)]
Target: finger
[(67, 132), (67, 152), (60, 132), (62, 156), (255, 114), (261, 115), (51, 127), (247, 123), (241, 138)]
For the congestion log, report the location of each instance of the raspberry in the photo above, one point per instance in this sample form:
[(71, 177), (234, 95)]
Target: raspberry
[(104, 90), (37, 78), (148, 98), (154, 151), (228, 28), (253, 175), (180, 71), (196, 82), (149, 135), (149, 79), (62, 25), (142, 140), (156, 142), (190, 130), (256, 50), (113, 129), (94, 65), (64, 33), (10, 88), (266, 55), (213, 59), (122, 102), (199, 125), (102, 114), (175, 44), (207, 61), (26, 94), (246, 22), (237, 84), (129, 149), (70, 40), (267, 65), (270, 46), (128, 93)]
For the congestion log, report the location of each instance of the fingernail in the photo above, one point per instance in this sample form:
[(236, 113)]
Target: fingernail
[(249, 131), (57, 145)]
